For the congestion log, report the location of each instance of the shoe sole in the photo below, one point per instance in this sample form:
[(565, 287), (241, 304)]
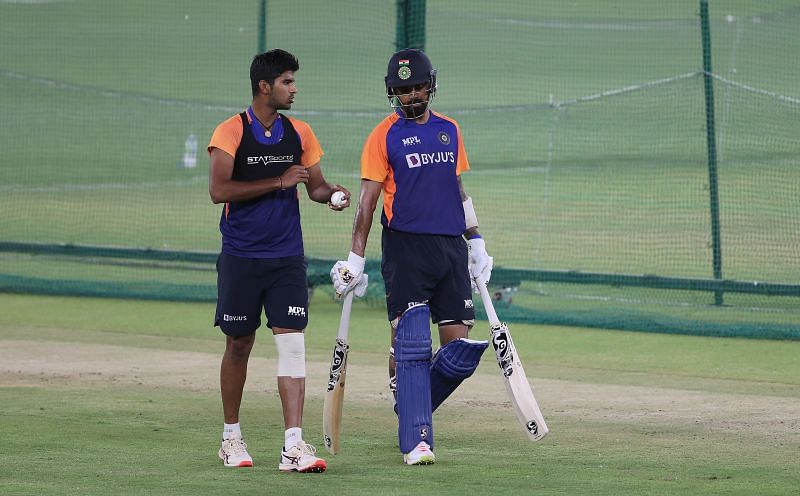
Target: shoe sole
[(243, 463), (422, 461), (317, 467)]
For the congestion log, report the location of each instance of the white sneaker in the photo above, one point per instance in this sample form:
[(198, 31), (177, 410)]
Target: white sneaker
[(301, 458), (421, 455), (233, 453)]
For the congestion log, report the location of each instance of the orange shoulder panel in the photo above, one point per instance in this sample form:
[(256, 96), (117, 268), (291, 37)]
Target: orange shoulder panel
[(227, 136), (374, 157), (312, 150)]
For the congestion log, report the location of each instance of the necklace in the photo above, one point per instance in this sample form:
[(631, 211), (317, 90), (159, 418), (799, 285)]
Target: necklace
[(267, 129)]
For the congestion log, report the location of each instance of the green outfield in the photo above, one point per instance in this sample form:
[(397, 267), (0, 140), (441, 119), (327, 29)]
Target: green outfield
[(585, 126), (111, 396)]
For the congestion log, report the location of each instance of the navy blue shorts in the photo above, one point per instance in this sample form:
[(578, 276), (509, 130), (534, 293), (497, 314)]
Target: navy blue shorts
[(426, 268), (246, 285)]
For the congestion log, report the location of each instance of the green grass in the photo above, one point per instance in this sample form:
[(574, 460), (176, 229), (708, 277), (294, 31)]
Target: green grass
[(629, 413)]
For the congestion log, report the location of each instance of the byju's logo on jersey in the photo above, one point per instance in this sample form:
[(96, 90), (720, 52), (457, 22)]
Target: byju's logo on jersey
[(270, 159), (296, 311), (419, 159), (413, 140)]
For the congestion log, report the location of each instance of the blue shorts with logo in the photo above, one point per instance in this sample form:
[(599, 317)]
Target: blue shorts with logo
[(426, 268), (246, 285)]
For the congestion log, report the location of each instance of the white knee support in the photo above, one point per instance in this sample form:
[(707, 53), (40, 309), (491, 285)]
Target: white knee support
[(291, 348)]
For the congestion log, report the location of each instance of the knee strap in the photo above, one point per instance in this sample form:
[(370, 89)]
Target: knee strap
[(453, 363), (412, 352), (291, 348)]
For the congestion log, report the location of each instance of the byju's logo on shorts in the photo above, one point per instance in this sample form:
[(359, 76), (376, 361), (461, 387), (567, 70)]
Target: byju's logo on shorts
[(233, 318), (413, 140), (419, 159), (468, 304), (296, 311)]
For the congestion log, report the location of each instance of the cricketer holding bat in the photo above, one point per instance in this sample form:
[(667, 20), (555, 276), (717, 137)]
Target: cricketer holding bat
[(415, 157), (258, 158)]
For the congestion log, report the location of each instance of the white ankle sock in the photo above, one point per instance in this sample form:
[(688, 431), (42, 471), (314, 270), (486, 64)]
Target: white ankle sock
[(291, 437), (231, 430)]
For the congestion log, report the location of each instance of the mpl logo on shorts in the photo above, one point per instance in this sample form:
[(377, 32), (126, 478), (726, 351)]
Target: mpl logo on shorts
[(296, 311), (468, 304), (419, 159), (270, 159)]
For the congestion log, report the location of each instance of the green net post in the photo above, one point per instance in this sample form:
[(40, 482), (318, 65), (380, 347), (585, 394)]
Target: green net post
[(410, 24), (711, 144), (262, 26)]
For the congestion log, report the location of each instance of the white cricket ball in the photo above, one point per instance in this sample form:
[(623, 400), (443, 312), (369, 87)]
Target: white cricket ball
[(337, 199)]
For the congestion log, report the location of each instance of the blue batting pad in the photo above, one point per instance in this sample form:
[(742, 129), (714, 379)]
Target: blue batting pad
[(453, 363), (412, 353)]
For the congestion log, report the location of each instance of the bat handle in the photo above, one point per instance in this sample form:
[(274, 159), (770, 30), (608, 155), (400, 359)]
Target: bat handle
[(344, 321), (487, 301)]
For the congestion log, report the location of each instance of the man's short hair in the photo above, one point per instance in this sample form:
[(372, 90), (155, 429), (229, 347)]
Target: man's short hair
[(269, 65)]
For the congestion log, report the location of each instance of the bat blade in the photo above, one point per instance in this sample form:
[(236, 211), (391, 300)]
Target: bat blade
[(334, 394), (519, 389), (517, 385), (334, 398)]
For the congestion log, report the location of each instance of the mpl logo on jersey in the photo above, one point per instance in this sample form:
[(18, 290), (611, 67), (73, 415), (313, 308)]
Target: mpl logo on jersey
[(270, 159), (413, 140), (296, 311), (419, 159)]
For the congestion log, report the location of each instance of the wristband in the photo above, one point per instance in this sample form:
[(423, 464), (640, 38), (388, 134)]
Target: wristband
[(470, 219), (474, 236)]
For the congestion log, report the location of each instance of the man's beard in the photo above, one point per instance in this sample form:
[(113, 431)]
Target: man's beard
[(415, 110)]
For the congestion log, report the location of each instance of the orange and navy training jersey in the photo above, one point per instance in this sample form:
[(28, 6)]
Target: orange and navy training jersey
[(419, 165), (267, 226)]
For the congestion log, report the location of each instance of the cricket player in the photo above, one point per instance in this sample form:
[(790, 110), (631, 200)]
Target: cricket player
[(258, 158), (415, 157)]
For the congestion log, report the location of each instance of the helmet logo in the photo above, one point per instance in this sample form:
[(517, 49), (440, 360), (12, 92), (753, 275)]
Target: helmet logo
[(404, 72)]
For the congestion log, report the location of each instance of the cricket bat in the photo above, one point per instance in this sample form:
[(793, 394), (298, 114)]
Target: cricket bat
[(517, 385), (334, 395)]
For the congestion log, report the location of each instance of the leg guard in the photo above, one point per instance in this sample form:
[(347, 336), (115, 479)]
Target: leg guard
[(412, 351), (453, 363)]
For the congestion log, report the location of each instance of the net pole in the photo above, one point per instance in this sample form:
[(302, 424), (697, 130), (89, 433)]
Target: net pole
[(711, 145), (410, 29), (262, 26)]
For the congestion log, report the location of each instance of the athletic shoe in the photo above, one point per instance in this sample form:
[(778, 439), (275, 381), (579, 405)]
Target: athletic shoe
[(421, 455), (301, 458), (233, 453)]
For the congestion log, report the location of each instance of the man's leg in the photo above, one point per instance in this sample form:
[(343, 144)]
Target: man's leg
[(455, 361), (412, 347), (296, 456), (233, 374)]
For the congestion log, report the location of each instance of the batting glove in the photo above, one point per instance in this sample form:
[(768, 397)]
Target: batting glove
[(480, 263), (348, 275)]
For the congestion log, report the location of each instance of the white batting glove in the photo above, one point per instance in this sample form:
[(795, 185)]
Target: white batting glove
[(480, 263), (348, 275)]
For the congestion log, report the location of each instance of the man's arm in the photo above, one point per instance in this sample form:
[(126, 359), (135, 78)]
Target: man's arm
[(320, 191), (472, 231), (367, 201), (224, 189)]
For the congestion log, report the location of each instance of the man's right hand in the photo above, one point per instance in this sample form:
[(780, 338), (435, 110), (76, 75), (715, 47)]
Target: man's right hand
[(348, 275), (294, 175)]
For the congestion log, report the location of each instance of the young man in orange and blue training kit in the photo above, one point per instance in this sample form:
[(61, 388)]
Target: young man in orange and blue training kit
[(258, 158), (415, 157)]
